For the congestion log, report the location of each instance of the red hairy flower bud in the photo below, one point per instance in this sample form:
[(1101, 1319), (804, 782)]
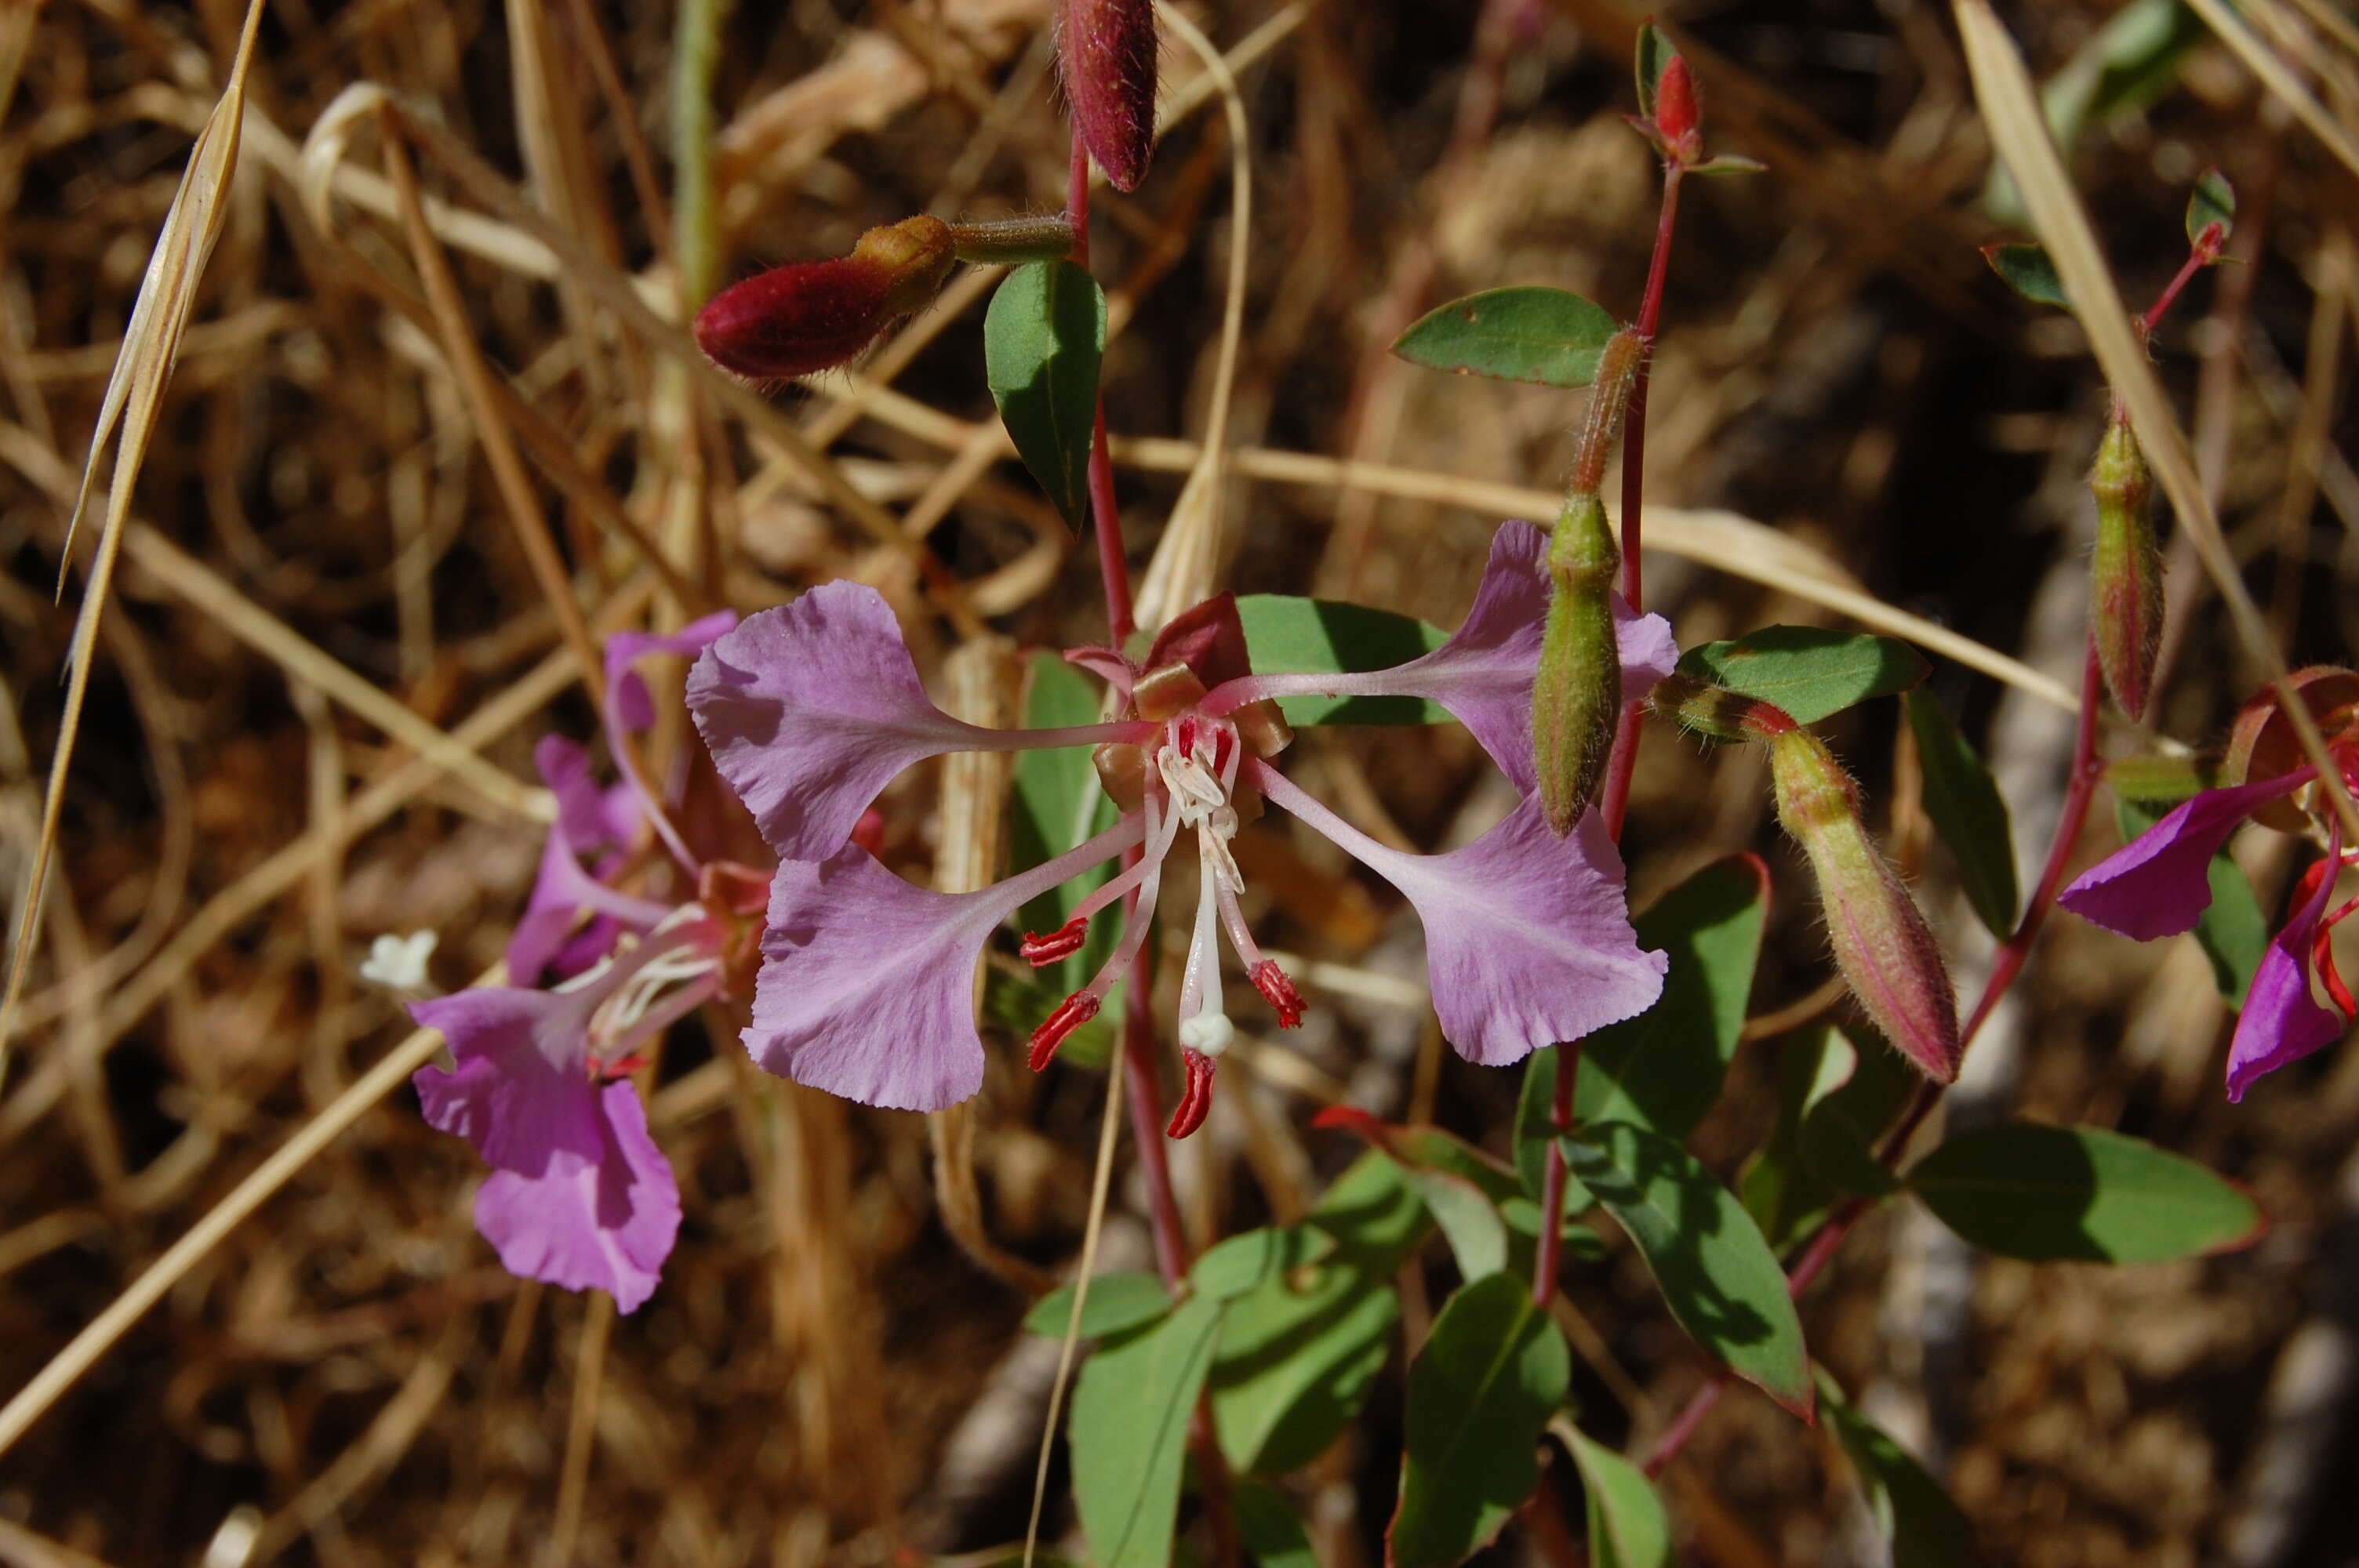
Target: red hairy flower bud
[(811, 316), (1882, 944), (1107, 48), (1675, 111), (2125, 573)]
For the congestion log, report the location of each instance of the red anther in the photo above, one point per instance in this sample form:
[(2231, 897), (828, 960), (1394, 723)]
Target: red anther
[(1062, 943), (869, 831), (618, 1069), (1675, 109), (1274, 983), (1196, 1099), (1071, 1013)]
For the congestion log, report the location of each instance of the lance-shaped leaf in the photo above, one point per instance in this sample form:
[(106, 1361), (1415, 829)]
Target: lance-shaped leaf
[(1543, 335), (1129, 1433), (1968, 811), (1117, 1303), (1269, 1528), (2232, 931), (1480, 1394), (1717, 1275), (1809, 671), (1919, 1522), (1653, 56), (1043, 340), (1288, 634), (2048, 1193), (2029, 271), (1627, 1527), (1662, 1070), (2213, 200)]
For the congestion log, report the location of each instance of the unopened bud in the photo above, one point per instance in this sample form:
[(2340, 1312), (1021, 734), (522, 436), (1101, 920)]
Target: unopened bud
[(1107, 49), (1883, 946), (1577, 696), (812, 316), (2126, 575), (1675, 112)]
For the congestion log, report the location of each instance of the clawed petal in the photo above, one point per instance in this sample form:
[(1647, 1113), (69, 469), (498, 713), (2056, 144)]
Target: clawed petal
[(602, 1221), (2159, 884), (867, 983), (1484, 674), (2282, 1022), (1527, 936)]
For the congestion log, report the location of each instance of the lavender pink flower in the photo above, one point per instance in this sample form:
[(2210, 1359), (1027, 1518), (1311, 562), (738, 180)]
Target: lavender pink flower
[(865, 989)]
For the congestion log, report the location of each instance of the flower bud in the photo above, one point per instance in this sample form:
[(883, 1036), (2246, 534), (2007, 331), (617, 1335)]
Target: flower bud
[(811, 316), (1576, 695), (1883, 946), (1107, 49), (2126, 575), (1675, 112)]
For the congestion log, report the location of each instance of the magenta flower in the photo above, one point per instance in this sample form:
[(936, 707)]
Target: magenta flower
[(579, 1194), (2158, 885), (866, 985)]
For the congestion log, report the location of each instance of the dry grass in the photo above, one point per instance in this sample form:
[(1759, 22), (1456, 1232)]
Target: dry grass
[(403, 419)]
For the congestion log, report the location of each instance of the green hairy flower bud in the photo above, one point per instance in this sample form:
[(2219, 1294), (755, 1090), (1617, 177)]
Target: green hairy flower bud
[(1882, 944), (1577, 697), (2125, 576)]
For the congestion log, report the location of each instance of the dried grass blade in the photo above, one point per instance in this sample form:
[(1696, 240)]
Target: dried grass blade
[(2019, 135), (2279, 79), (134, 397)]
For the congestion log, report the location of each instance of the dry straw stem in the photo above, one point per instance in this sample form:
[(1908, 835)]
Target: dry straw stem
[(2278, 78), (2019, 135), (134, 397), (1187, 558), (68, 1366)]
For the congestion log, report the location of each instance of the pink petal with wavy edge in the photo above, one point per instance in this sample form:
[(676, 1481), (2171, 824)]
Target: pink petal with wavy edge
[(867, 983), (2159, 884), (2282, 1022), (1527, 936), (606, 1222), (1484, 674)]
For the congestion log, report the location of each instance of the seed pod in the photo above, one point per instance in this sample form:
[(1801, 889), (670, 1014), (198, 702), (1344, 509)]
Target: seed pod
[(1577, 696), (2126, 575), (1107, 50), (1883, 946), (811, 316)]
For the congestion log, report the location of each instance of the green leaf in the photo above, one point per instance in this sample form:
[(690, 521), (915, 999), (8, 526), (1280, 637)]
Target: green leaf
[(1663, 1069), (2027, 270), (1717, 1275), (1809, 672), (1296, 1360), (1779, 1189), (1266, 1525), (1919, 1521), (1117, 1303), (1129, 1435), (1479, 1392), (1043, 340), (2045, 1193), (1472, 1222), (1536, 1129), (1230, 1267), (1375, 1217), (2232, 930), (1543, 335), (1852, 1097), (2213, 200), (1289, 636), (1627, 1527), (1654, 55), (1967, 810)]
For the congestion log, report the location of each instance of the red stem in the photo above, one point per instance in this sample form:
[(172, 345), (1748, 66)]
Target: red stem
[(1106, 517), (1615, 802), (2162, 302), (2006, 965)]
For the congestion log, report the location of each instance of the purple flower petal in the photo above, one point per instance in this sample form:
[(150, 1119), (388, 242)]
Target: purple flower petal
[(810, 708), (867, 983), (601, 1223), (2282, 1022), (1527, 935), (628, 706), (579, 1195), (2159, 884), (1484, 674)]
